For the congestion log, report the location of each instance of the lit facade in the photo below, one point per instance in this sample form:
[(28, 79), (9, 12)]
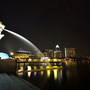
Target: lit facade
[(49, 53), (57, 52), (22, 55), (45, 54), (57, 48), (70, 52)]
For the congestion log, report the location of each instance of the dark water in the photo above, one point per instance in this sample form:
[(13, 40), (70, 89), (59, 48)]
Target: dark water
[(73, 75)]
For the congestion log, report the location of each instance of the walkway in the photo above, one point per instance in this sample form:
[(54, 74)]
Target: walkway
[(14, 83)]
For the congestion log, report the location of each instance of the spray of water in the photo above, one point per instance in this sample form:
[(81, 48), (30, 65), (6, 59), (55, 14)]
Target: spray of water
[(36, 50)]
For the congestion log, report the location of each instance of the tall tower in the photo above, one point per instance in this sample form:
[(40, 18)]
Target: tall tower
[(70, 52), (57, 48), (57, 52)]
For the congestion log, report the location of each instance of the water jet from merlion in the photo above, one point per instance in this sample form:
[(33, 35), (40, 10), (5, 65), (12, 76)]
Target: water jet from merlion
[(33, 49)]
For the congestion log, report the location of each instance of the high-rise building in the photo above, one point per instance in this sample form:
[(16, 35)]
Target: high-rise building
[(57, 48), (45, 54), (70, 52), (57, 52), (48, 53)]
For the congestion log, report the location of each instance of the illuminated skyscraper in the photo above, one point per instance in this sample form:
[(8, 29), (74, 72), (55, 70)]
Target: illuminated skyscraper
[(57, 48), (45, 54), (49, 53), (57, 52), (70, 52)]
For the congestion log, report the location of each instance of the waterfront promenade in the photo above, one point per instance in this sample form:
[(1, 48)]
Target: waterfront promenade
[(10, 82)]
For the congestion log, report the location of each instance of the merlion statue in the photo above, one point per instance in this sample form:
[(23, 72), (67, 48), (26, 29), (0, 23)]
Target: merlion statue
[(1, 29)]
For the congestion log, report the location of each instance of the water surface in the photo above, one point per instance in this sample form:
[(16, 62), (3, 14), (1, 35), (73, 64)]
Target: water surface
[(74, 75)]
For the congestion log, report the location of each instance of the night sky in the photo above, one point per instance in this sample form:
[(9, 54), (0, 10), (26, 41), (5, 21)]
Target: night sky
[(47, 23)]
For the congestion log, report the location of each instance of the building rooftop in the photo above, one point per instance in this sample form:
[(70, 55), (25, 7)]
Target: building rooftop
[(4, 56), (23, 51)]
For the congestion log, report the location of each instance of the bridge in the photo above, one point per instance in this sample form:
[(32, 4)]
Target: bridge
[(58, 63)]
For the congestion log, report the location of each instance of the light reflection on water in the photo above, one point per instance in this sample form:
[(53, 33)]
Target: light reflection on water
[(21, 69), (55, 73), (48, 72), (68, 76), (42, 72), (61, 73), (29, 73)]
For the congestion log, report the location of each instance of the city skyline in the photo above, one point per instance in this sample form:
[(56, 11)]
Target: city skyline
[(44, 45), (49, 23)]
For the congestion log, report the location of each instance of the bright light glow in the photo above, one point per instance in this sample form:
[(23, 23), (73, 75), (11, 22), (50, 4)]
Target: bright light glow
[(42, 73), (57, 46), (41, 59), (29, 73), (48, 59), (59, 60), (48, 67), (44, 58), (11, 53), (41, 67), (4, 56), (48, 73), (55, 59), (55, 73), (29, 59), (21, 69), (29, 67)]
